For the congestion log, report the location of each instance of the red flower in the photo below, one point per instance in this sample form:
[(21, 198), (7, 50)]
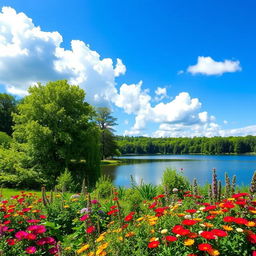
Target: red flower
[(128, 217), (31, 250), (11, 241), (219, 232), (210, 217), (240, 195), (171, 238), (240, 221), (153, 244), (191, 211), (31, 236), (179, 230), (252, 238), (204, 247), (189, 222), (228, 219), (208, 235), (90, 229)]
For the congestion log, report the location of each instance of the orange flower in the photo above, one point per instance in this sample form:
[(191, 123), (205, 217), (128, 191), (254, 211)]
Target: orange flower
[(189, 242)]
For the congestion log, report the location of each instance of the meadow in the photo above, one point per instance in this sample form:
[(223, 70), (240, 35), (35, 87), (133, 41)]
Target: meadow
[(175, 218)]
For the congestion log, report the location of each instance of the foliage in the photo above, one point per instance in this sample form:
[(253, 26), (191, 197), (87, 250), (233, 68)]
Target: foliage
[(7, 107), (53, 126), (5, 140), (147, 191), (106, 121), (14, 171), (103, 187), (196, 145), (65, 181), (171, 180)]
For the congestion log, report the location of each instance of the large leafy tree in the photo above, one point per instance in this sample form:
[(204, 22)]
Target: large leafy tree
[(7, 106), (106, 122), (54, 126)]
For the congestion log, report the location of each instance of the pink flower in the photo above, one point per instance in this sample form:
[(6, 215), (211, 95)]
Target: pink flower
[(53, 250), (21, 235), (84, 217), (31, 250), (31, 236)]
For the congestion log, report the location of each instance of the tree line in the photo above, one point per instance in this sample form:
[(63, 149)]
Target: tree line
[(196, 145)]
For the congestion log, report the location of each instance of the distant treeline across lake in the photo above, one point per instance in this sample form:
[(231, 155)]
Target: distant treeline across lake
[(196, 145)]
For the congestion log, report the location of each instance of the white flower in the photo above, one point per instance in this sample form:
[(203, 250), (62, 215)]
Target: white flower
[(239, 230)]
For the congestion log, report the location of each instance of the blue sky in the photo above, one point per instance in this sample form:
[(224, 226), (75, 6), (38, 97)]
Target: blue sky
[(158, 43)]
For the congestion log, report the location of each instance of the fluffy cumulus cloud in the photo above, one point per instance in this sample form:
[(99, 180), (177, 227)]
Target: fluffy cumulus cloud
[(161, 93), (208, 66), (181, 111), (29, 55)]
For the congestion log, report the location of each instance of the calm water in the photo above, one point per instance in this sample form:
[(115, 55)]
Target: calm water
[(150, 168)]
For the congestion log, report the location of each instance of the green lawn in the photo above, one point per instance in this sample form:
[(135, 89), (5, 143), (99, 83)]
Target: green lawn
[(8, 192)]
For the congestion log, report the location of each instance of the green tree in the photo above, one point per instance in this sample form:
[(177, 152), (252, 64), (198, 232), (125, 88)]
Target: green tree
[(54, 126), (7, 106), (106, 122)]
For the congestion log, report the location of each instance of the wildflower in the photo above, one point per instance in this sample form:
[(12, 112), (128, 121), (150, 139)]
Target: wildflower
[(189, 242), (153, 244), (82, 249), (129, 234), (204, 247), (252, 238), (171, 238), (239, 230), (84, 217), (21, 235), (228, 219), (53, 250), (227, 228), (189, 222), (31, 250), (208, 235), (219, 232), (164, 231), (213, 252), (191, 211), (84, 210), (128, 217), (90, 229)]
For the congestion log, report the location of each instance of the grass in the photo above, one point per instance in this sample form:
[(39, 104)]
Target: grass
[(8, 192)]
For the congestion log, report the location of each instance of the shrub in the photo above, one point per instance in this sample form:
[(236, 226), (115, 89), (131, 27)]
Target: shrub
[(171, 180), (65, 181), (104, 187)]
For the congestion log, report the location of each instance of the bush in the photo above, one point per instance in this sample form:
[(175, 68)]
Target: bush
[(65, 181), (5, 140), (104, 187), (171, 179)]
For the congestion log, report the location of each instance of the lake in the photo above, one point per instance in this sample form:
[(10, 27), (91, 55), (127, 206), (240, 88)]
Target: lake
[(149, 168)]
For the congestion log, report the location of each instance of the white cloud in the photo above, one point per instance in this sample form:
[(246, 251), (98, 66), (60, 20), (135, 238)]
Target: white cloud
[(243, 131), (29, 55), (161, 93), (208, 66), (225, 122)]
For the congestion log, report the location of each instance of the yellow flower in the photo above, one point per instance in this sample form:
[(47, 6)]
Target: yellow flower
[(120, 238), (67, 248), (189, 242), (253, 211), (129, 234), (181, 214), (100, 238), (152, 231), (140, 219), (250, 224), (152, 223), (104, 246), (153, 239), (198, 219), (208, 225), (103, 253), (58, 195), (214, 252), (66, 206), (90, 254), (227, 228), (74, 199), (164, 231), (215, 212), (231, 199), (82, 249)]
